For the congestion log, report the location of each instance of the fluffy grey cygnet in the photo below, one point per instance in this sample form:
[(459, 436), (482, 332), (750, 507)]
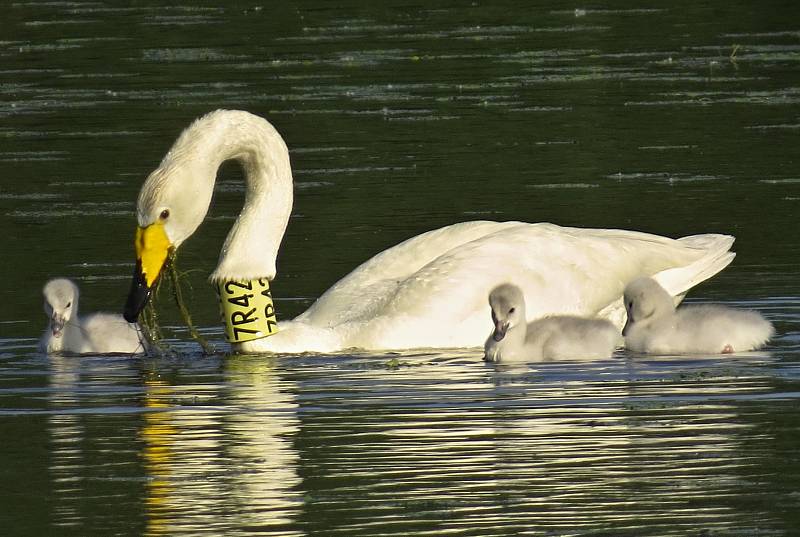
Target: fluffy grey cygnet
[(557, 337), (655, 326), (95, 333)]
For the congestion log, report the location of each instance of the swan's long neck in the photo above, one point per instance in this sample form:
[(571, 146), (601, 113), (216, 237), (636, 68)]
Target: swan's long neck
[(251, 248)]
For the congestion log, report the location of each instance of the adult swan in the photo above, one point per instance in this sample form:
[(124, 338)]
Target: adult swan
[(429, 291)]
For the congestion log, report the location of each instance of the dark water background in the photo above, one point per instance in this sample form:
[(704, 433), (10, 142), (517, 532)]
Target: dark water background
[(401, 117)]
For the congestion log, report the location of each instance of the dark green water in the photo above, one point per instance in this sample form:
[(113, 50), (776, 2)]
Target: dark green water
[(673, 119)]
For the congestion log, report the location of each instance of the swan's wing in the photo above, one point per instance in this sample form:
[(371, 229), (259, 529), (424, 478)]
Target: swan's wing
[(370, 285), (432, 291), (561, 270), (677, 280)]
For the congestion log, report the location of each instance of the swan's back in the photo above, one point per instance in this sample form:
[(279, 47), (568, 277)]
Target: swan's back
[(430, 291)]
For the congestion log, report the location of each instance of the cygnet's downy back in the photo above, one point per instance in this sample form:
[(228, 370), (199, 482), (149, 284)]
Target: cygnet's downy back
[(557, 337), (655, 326), (96, 333)]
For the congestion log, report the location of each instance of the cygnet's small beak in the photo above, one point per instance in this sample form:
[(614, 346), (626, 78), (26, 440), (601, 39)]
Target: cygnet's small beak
[(152, 251), (57, 324), (500, 329)]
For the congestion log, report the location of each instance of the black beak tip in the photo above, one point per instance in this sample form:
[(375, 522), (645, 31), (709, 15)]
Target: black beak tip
[(130, 315), (137, 296)]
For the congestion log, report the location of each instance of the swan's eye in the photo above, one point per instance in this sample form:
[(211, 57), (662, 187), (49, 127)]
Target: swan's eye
[(165, 214), (69, 304), (512, 310)]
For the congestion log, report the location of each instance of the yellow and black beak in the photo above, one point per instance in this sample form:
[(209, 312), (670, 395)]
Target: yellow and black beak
[(152, 251)]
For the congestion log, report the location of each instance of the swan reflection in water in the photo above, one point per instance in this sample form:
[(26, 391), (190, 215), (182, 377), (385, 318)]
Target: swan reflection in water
[(370, 444), (204, 460), (204, 451)]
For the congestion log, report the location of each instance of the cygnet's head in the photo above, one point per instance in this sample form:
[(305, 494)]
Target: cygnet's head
[(508, 309), (60, 303), (645, 300)]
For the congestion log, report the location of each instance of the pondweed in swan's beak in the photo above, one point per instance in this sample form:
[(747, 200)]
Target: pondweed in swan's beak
[(152, 250)]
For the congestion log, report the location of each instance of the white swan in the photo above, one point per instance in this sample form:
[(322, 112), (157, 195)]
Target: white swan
[(96, 333), (555, 337), (655, 326), (429, 291)]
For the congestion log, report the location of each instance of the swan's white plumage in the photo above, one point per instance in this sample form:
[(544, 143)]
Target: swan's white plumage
[(428, 291), (655, 326), (431, 290), (555, 337), (68, 332), (184, 183)]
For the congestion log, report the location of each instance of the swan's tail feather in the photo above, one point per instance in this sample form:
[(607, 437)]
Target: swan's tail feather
[(709, 241), (677, 281)]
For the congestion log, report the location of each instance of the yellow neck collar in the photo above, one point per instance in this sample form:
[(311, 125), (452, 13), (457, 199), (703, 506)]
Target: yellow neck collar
[(247, 310)]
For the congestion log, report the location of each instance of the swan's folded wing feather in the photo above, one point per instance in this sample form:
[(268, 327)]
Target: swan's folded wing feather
[(432, 290), (366, 289)]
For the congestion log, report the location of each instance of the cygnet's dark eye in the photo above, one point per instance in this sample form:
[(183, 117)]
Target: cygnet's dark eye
[(69, 304), (165, 214), (512, 310)]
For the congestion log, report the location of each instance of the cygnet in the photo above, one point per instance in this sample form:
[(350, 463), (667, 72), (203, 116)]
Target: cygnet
[(655, 326), (96, 333), (557, 337)]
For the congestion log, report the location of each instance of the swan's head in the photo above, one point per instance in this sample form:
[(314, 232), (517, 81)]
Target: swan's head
[(645, 301), (175, 198), (508, 309), (172, 204), (60, 303)]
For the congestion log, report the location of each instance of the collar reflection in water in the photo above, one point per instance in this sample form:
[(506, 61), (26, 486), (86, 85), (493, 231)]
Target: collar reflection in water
[(158, 434)]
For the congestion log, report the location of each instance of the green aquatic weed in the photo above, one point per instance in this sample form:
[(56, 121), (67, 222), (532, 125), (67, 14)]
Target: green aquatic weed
[(149, 321)]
